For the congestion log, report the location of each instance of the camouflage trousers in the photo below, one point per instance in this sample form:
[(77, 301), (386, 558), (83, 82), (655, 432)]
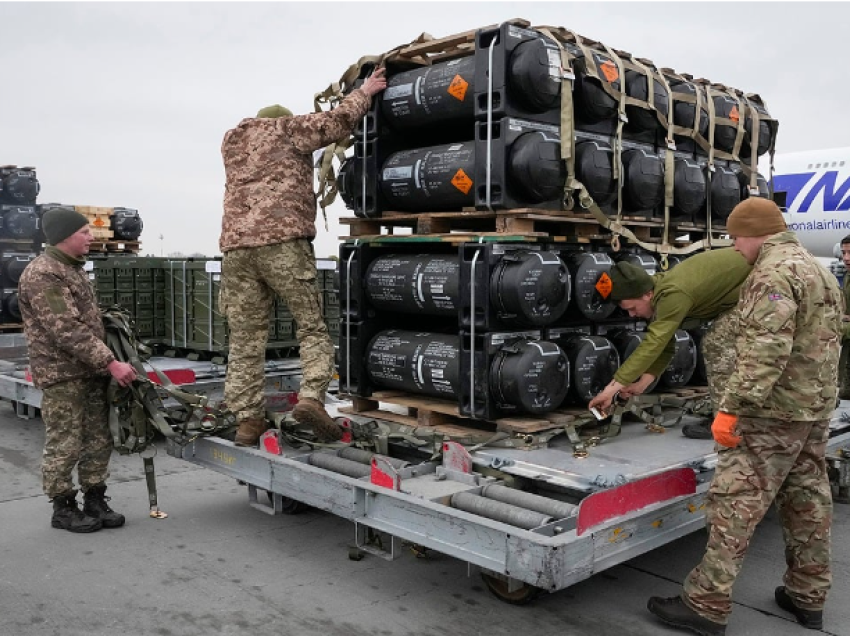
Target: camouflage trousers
[(718, 350), (250, 278), (76, 430), (775, 461)]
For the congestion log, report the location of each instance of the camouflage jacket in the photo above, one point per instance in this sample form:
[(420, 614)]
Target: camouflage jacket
[(268, 165), (787, 349), (698, 289), (62, 322)]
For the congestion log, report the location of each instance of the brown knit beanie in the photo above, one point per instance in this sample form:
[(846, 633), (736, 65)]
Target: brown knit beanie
[(755, 216), (629, 281)]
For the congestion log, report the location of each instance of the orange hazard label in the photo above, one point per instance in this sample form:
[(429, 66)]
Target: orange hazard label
[(609, 70), (734, 115), (98, 222), (604, 286), (458, 87), (462, 181)]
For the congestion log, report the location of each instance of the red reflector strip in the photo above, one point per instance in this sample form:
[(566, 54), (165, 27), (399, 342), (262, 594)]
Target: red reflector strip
[(177, 376), (614, 502)]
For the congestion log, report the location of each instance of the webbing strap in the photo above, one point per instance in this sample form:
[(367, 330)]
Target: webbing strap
[(332, 96), (567, 130), (137, 412)]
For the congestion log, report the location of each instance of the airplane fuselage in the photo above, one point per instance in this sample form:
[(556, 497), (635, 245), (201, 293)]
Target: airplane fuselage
[(816, 187)]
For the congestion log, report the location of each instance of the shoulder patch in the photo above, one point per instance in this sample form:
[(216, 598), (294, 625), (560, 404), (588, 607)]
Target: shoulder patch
[(55, 300)]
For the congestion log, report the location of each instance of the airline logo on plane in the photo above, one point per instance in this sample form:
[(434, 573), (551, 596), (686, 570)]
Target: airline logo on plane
[(804, 187)]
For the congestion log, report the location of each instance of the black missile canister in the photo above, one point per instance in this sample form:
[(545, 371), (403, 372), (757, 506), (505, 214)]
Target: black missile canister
[(681, 368), (416, 283), (425, 363), (532, 375), (429, 179), (431, 95)]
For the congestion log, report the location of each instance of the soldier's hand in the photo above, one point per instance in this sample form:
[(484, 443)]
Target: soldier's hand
[(375, 83), (123, 372), (604, 400), (723, 430), (638, 387)]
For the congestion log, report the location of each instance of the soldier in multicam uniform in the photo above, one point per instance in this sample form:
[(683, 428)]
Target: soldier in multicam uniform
[(703, 287), (773, 427), (266, 238), (844, 361), (71, 364)]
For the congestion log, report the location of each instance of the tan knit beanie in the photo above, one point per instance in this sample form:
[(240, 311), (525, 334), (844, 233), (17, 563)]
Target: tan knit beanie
[(755, 216)]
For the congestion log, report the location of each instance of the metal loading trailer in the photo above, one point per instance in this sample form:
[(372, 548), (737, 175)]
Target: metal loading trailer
[(632, 494)]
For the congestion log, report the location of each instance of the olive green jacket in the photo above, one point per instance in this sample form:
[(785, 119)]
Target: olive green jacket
[(698, 289)]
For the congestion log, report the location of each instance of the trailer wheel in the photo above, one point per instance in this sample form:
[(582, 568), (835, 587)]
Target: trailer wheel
[(499, 588), (290, 506)]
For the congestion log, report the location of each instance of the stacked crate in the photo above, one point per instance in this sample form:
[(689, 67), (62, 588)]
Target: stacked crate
[(136, 284), (525, 160), (19, 226), (174, 302)]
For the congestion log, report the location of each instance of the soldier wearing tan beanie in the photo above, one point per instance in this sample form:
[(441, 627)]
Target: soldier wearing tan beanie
[(755, 217)]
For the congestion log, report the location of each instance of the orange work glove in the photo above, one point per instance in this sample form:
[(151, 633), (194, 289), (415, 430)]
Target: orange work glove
[(723, 429)]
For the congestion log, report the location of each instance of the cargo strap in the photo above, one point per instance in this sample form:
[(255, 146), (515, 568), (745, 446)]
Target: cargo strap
[(649, 409), (376, 436), (136, 412), (574, 190), (332, 96)]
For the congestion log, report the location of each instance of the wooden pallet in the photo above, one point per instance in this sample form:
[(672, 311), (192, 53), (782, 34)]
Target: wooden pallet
[(445, 416), (431, 51), (525, 224), (118, 247)]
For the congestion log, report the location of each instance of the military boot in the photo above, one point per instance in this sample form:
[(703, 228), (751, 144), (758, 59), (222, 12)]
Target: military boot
[(312, 412), (674, 612), (698, 430), (67, 516), (810, 619), (249, 431), (95, 506)]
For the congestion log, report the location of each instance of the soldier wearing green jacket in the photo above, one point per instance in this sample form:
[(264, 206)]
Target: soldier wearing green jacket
[(703, 287)]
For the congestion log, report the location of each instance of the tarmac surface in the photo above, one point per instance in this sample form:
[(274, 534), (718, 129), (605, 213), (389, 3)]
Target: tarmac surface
[(218, 566)]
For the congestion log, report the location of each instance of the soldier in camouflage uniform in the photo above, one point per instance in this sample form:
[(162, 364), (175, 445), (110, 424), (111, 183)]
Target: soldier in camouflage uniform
[(844, 361), (71, 364), (773, 427), (267, 241), (703, 287)]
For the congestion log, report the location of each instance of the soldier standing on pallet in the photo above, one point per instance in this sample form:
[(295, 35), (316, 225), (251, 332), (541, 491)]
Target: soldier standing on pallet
[(267, 241), (71, 364), (774, 424), (703, 287)]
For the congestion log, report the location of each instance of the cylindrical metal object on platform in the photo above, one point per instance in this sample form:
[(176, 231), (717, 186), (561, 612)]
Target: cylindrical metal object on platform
[(340, 465), (498, 511), (543, 505), (363, 456)]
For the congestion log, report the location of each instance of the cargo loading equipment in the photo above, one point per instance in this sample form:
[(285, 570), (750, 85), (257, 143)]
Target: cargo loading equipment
[(627, 496), (529, 512)]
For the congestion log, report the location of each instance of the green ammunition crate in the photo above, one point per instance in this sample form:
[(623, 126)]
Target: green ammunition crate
[(105, 299)]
